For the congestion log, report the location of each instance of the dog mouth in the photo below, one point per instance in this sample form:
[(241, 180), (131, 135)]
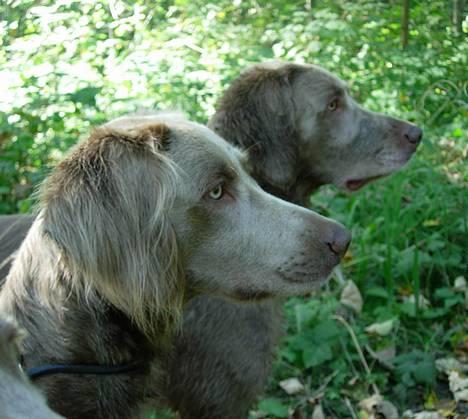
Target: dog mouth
[(306, 278), (390, 164), (356, 184)]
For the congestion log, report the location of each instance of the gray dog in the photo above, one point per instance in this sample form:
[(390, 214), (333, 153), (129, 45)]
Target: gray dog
[(301, 129), (146, 214)]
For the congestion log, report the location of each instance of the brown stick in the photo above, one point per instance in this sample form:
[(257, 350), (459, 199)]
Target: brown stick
[(405, 24)]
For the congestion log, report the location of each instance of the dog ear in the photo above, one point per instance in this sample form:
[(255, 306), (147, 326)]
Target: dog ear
[(106, 208), (10, 333), (258, 113)]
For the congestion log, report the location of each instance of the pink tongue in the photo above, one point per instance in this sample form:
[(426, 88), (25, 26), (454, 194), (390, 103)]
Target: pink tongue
[(354, 185)]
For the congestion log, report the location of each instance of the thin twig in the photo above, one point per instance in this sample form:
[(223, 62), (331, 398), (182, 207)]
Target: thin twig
[(339, 275), (358, 349), (350, 408), (322, 388)]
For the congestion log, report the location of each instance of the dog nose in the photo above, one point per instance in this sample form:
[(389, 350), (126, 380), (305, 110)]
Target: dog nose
[(339, 242), (413, 134)]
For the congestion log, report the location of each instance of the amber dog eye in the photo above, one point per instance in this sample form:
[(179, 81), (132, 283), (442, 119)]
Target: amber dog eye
[(217, 192), (333, 105)]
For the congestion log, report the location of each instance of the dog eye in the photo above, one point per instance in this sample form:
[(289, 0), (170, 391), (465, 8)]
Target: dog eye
[(217, 192), (333, 105)]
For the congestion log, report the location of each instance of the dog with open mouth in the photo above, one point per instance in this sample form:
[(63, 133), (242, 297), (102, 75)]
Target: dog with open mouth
[(302, 129)]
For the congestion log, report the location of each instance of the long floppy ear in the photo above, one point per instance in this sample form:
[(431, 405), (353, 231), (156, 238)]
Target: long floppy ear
[(10, 339), (257, 113), (106, 208)]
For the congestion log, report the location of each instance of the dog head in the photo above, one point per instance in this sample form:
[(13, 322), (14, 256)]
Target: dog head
[(150, 208), (302, 126)]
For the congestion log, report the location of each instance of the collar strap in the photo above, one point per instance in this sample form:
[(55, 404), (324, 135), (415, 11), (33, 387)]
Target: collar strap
[(92, 369)]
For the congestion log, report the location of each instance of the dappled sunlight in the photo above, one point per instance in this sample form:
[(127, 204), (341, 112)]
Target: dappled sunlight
[(67, 66)]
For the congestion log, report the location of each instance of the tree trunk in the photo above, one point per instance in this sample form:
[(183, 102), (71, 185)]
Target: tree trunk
[(405, 24), (457, 16)]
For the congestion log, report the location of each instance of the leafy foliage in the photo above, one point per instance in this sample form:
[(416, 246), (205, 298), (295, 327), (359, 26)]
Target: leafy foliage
[(68, 65)]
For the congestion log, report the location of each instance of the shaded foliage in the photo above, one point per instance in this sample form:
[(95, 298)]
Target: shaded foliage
[(68, 65)]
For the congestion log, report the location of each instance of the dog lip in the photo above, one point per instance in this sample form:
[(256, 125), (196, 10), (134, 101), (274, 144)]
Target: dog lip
[(396, 160), (306, 277), (356, 184)]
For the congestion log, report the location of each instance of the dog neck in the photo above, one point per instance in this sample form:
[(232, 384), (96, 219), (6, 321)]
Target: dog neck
[(298, 192), (66, 324)]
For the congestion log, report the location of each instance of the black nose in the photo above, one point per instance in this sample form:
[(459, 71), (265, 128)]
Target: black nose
[(340, 241), (413, 134)]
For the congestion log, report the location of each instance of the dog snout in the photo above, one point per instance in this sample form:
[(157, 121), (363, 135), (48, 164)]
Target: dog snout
[(339, 241), (413, 134)]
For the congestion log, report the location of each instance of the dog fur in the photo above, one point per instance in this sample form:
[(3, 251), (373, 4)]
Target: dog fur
[(18, 398), (284, 115), (142, 217), (301, 129)]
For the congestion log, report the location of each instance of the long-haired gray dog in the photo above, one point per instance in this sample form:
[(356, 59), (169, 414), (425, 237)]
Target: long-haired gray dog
[(140, 218), (302, 130)]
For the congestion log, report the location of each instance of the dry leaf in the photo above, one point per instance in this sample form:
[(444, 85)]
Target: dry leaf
[(384, 356), (381, 329), (424, 415), (318, 412), (460, 284), (447, 365), (423, 301), (291, 386), (376, 407), (458, 386), (353, 380), (368, 404), (351, 297)]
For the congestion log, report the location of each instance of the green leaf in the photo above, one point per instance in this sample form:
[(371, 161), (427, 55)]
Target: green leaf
[(326, 330), (302, 340), (457, 132), (434, 313), (377, 292), (304, 314), (289, 354), (425, 371), (415, 367), (274, 407), (409, 309), (443, 293), (85, 96), (317, 355)]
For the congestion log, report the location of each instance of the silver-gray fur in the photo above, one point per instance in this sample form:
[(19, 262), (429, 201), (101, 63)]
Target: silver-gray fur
[(19, 399), (302, 129), (139, 219)]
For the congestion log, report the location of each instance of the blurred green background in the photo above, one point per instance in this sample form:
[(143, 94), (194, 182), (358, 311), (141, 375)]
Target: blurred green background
[(66, 66)]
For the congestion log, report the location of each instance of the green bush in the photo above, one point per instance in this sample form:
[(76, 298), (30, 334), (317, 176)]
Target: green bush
[(70, 65)]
